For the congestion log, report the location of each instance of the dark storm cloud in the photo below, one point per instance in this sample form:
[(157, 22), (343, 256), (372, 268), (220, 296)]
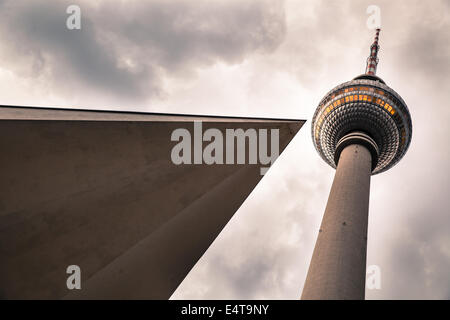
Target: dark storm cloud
[(423, 47), (178, 33), (127, 48), (248, 278), (419, 256), (426, 50), (38, 31)]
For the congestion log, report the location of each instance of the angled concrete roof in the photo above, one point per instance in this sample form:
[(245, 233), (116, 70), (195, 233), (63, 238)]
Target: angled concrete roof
[(40, 113), (98, 189)]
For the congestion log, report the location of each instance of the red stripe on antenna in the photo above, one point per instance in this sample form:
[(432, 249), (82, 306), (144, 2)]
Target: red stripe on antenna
[(372, 61)]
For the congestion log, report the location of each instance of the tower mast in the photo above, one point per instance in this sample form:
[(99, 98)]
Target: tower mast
[(372, 60)]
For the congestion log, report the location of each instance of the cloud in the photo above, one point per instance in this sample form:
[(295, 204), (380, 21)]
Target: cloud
[(126, 49)]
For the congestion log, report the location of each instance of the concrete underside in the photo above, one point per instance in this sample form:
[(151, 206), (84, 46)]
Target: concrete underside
[(99, 190), (338, 265)]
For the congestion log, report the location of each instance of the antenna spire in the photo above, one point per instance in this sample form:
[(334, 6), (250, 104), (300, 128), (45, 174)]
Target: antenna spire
[(372, 61)]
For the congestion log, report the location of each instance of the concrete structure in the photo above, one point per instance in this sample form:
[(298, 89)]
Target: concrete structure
[(99, 190), (361, 127), (338, 266)]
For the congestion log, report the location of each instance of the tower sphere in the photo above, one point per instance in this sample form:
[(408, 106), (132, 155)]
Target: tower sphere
[(368, 108)]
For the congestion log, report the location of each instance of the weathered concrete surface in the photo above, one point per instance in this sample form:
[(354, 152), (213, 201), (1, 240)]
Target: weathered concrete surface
[(99, 190), (170, 250), (338, 264)]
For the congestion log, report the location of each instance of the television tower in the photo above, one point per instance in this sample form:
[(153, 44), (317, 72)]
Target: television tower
[(361, 127)]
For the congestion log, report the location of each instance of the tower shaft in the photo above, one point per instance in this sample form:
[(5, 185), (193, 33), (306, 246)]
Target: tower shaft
[(338, 264)]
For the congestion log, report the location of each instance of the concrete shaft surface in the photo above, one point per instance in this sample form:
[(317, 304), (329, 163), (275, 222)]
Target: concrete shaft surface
[(338, 264)]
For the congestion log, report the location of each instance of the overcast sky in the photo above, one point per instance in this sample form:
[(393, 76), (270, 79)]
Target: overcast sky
[(270, 59)]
